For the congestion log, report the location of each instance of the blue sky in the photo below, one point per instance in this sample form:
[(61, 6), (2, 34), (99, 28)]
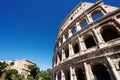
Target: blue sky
[(28, 28)]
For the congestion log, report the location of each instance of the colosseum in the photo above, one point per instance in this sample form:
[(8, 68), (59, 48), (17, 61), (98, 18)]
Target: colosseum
[(88, 44)]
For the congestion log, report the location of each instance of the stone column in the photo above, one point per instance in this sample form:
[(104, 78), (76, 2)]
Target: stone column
[(98, 36), (86, 71), (118, 22), (81, 44), (58, 60), (89, 18), (64, 39), (78, 27), (56, 78), (63, 55), (59, 43), (62, 75), (69, 33), (71, 52), (72, 73), (113, 70)]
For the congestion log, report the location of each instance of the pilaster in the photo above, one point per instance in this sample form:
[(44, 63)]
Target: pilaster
[(98, 37), (69, 33), (71, 52), (81, 44), (78, 27), (62, 75), (86, 71), (89, 18), (56, 78), (64, 39), (63, 55), (113, 70)]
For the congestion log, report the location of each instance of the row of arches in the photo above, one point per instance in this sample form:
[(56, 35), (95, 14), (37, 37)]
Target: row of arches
[(93, 16), (108, 33), (100, 72)]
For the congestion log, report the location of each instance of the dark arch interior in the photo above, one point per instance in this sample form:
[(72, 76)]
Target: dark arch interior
[(76, 48), (59, 76), (56, 60), (90, 42), (66, 53), (109, 34), (67, 75), (101, 73), (118, 16), (60, 56), (119, 64), (80, 74)]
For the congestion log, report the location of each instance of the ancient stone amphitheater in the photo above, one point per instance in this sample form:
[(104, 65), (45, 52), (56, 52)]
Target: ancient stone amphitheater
[(88, 44)]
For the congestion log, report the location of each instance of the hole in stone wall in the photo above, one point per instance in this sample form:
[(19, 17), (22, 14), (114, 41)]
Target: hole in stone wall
[(83, 24), (56, 60), (59, 76), (109, 34), (66, 36), (90, 42), (100, 72), (79, 74), (118, 16), (67, 75), (74, 30), (60, 56), (76, 48), (96, 16), (66, 53), (119, 64), (71, 18)]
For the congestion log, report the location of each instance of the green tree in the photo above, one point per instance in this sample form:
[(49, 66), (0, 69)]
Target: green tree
[(34, 72), (12, 63), (3, 65), (46, 75), (10, 73)]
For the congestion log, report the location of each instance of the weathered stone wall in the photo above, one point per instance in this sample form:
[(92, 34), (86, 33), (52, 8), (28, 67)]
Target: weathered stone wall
[(88, 44)]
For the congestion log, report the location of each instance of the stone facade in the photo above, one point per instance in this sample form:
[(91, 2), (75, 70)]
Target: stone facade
[(20, 65), (88, 44)]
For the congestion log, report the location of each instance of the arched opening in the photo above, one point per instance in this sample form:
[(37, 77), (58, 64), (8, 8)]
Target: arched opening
[(80, 74), (59, 76), (67, 75), (109, 34), (66, 36), (67, 53), (96, 15), (83, 24), (74, 30), (118, 16), (90, 42), (100, 72), (119, 64), (60, 56), (56, 59), (76, 48)]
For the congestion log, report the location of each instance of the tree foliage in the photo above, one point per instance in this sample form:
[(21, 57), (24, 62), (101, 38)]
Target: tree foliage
[(46, 75), (34, 72), (12, 74)]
